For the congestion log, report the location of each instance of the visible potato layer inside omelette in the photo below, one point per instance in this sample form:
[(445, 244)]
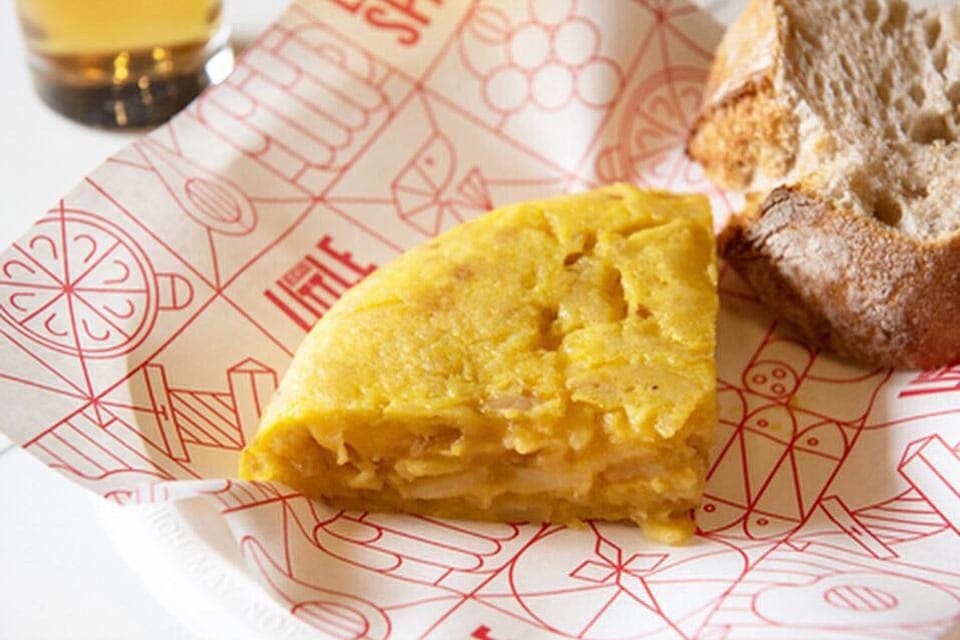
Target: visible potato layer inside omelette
[(549, 361)]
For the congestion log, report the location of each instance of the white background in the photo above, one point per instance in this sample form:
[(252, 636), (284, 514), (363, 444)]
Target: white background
[(61, 577)]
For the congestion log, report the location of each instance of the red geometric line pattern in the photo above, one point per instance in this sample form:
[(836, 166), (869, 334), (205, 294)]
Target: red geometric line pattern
[(180, 417), (903, 518), (305, 66), (834, 592), (777, 458), (80, 285), (105, 453), (933, 469), (137, 315), (942, 380), (112, 447)]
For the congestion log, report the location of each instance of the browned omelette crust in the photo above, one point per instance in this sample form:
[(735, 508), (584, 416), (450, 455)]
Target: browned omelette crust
[(848, 282)]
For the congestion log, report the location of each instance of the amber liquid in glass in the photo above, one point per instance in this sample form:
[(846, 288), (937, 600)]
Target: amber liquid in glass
[(123, 63)]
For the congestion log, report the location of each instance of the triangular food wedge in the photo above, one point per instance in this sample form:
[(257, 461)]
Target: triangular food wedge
[(549, 361)]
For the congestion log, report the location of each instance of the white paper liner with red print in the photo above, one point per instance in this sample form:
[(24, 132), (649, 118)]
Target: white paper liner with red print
[(146, 318)]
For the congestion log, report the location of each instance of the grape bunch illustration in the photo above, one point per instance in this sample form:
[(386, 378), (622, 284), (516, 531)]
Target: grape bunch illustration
[(551, 58)]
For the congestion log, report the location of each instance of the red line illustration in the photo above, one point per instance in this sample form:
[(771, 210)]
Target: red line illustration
[(942, 380), (106, 303), (442, 180), (338, 92), (145, 319)]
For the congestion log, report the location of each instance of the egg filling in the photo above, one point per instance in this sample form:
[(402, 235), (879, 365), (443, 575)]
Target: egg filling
[(549, 361)]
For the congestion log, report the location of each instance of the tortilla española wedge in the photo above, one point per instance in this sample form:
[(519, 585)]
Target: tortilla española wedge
[(549, 361)]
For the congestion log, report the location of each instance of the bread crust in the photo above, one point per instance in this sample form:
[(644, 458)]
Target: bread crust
[(743, 125), (747, 131), (848, 282)]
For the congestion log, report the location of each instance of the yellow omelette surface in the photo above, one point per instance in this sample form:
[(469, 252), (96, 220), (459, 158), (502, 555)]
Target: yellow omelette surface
[(551, 360)]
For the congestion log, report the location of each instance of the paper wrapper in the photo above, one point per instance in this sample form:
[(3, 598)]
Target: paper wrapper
[(146, 318)]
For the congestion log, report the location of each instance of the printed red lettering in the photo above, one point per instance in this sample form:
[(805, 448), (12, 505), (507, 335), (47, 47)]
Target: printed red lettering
[(379, 17), (403, 17), (408, 7), (483, 633), (352, 7), (308, 289)]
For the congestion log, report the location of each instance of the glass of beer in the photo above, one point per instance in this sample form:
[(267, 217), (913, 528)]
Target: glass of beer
[(124, 63)]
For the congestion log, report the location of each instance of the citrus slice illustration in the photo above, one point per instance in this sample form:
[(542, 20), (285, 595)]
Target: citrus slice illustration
[(78, 284), (653, 129)]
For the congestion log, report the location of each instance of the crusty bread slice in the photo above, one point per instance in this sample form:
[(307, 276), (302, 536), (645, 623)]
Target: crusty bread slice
[(841, 118)]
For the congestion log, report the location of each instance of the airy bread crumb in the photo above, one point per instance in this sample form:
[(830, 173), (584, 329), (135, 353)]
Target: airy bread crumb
[(860, 102), (841, 119)]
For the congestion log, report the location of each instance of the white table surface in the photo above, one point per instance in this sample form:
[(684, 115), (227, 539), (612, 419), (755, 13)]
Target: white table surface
[(61, 577)]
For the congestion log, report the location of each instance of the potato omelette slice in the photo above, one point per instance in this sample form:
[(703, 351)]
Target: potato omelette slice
[(549, 361)]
